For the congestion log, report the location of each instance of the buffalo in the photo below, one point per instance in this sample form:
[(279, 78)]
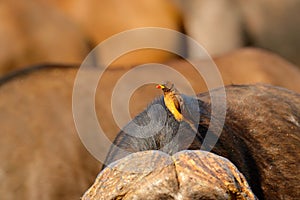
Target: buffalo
[(260, 137)]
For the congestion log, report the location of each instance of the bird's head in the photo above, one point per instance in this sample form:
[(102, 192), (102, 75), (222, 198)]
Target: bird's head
[(167, 87)]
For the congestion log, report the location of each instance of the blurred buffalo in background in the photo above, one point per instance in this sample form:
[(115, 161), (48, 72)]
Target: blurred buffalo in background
[(221, 26), (42, 31)]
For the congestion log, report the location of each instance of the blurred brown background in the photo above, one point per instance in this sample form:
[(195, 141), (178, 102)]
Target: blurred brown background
[(41, 156), (65, 31)]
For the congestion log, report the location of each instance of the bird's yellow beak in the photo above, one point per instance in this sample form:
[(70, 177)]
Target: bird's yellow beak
[(159, 86)]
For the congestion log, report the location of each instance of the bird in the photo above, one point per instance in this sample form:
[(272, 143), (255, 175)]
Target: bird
[(172, 99), (174, 102)]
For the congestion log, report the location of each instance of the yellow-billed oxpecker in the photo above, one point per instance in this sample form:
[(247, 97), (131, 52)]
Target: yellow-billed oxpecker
[(172, 99), (174, 102)]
